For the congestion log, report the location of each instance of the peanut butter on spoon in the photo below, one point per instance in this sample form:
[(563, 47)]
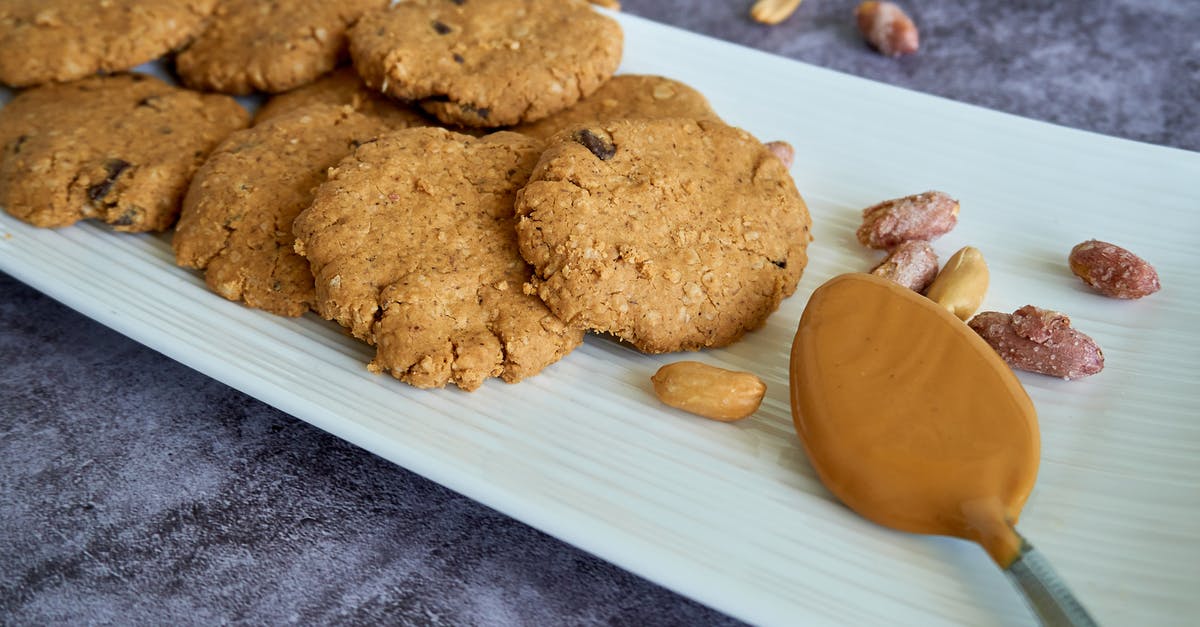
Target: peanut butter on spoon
[(914, 422)]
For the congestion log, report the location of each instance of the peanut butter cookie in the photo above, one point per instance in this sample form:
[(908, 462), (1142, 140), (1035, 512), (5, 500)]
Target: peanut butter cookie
[(412, 245), (487, 63), (671, 234), (120, 149), (626, 97), (44, 41), (237, 216), (269, 45), (341, 87)]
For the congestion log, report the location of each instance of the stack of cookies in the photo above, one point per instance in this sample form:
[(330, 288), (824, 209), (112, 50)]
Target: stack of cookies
[(470, 197)]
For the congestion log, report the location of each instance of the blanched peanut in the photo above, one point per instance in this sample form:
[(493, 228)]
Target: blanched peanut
[(961, 284), (773, 11), (709, 391)]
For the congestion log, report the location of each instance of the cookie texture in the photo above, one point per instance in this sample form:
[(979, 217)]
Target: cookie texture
[(44, 41), (237, 216), (487, 63), (339, 87), (626, 97), (345, 87), (269, 45), (412, 244), (671, 234), (120, 149)]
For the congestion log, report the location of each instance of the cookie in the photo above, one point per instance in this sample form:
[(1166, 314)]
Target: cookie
[(237, 216), (487, 63), (269, 45), (671, 234), (626, 97), (120, 149), (341, 87), (412, 245), (45, 41)]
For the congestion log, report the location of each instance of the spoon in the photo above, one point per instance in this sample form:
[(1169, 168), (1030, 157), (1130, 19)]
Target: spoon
[(915, 423)]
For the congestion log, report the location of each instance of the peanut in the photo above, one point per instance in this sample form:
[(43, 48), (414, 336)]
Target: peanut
[(773, 11), (912, 264), (784, 151), (709, 391), (920, 216), (962, 283), (1112, 270), (1040, 340), (888, 28)]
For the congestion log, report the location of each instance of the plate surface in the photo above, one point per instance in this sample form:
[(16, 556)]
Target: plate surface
[(731, 514)]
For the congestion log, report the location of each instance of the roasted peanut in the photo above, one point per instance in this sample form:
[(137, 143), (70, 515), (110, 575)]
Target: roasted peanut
[(912, 264), (961, 284), (888, 28), (784, 151), (1112, 270), (1040, 340), (773, 11), (709, 391), (920, 216)]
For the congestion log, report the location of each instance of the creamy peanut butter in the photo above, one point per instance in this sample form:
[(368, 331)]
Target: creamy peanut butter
[(909, 417)]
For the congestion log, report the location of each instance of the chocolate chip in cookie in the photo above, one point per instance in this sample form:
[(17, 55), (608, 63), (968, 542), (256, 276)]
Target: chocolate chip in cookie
[(598, 142)]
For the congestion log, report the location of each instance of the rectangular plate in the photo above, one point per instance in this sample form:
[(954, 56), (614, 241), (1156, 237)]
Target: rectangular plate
[(731, 514)]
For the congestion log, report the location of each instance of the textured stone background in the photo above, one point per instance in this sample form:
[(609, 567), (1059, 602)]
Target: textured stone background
[(134, 490)]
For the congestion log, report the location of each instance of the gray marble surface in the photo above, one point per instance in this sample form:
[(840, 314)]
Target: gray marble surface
[(136, 491)]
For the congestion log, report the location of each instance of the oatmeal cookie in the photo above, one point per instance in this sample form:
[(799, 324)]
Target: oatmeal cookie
[(269, 45), (237, 217), (487, 63), (44, 41), (412, 245), (627, 97), (340, 87), (120, 149), (671, 234)]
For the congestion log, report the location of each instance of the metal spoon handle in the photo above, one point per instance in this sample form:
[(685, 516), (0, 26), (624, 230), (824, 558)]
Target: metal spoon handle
[(1046, 592)]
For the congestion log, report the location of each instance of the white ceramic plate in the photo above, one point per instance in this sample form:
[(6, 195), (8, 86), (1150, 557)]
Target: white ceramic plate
[(731, 514)]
